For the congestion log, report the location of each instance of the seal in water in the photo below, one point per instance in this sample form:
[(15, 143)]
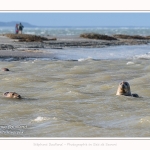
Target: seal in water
[(12, 95), (5, 69), (124, 89)]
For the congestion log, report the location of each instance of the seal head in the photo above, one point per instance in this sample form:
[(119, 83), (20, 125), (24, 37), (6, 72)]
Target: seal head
[(12, 95), (124, 89), (5, 69)]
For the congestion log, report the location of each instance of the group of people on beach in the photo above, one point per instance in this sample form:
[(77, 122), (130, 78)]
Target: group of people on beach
[(18, 29)]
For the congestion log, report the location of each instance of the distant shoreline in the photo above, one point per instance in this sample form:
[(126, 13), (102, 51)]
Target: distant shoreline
[(26, 24)]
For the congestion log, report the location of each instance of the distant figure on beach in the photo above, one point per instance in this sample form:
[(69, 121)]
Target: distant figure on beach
[(20, 27), (16, 28)]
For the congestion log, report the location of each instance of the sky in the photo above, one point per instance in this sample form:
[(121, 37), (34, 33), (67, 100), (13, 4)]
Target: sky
[(79, 18)]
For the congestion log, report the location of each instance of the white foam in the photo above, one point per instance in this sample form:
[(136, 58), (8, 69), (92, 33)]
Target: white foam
[(144, 56), (130, 63), (30, 32), (40, 119), (84, 59), (145, 120)]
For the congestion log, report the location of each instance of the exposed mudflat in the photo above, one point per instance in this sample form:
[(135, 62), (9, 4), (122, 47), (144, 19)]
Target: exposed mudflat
[(15, 45)]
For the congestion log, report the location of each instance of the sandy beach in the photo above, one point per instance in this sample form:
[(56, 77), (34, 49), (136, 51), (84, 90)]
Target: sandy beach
[(11, 48)]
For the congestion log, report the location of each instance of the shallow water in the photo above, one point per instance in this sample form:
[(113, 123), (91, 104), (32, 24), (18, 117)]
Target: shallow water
[(64, 98)]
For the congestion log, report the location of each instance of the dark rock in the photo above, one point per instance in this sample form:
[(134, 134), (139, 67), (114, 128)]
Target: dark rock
[(6, 47), (148, 37), (97, 36), (28, 38), (122, 36)]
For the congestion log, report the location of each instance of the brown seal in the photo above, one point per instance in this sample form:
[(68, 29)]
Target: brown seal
[(124, 89), (12, 95), (5, 69)]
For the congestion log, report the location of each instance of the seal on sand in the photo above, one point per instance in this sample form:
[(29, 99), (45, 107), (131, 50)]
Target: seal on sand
[(12, 95), (124, 89)]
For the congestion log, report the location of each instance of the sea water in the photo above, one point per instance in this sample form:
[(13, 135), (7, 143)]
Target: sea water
[(76, 31), (74, 94)]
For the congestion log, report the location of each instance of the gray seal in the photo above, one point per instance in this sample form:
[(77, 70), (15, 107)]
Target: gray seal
[(124, 89), (12, 95)]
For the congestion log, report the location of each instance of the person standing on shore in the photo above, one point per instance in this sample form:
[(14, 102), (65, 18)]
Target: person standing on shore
[(20, 28), (16, 29)]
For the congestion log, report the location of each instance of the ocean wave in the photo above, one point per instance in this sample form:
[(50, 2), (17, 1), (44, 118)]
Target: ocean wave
[(143, 56), (130, 63), (85, 59)]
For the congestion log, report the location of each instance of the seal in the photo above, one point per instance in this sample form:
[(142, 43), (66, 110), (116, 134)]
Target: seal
[(124, 89), (12, 95), (5, 69)]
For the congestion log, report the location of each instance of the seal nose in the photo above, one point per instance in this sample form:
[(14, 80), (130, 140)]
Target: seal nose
[(19, 96), (123, 86), (122, 83)]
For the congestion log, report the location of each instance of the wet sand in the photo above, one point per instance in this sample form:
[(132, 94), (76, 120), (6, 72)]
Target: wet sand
[(12, 48)]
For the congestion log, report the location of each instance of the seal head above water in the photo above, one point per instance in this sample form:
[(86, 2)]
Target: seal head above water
[(5, 69), (124, 89), (12, 95)]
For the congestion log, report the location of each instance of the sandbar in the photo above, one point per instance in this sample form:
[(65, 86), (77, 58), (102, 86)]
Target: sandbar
[(13, 48)]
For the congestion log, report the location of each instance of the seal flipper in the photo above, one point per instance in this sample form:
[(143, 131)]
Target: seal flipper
[(135, 95)]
